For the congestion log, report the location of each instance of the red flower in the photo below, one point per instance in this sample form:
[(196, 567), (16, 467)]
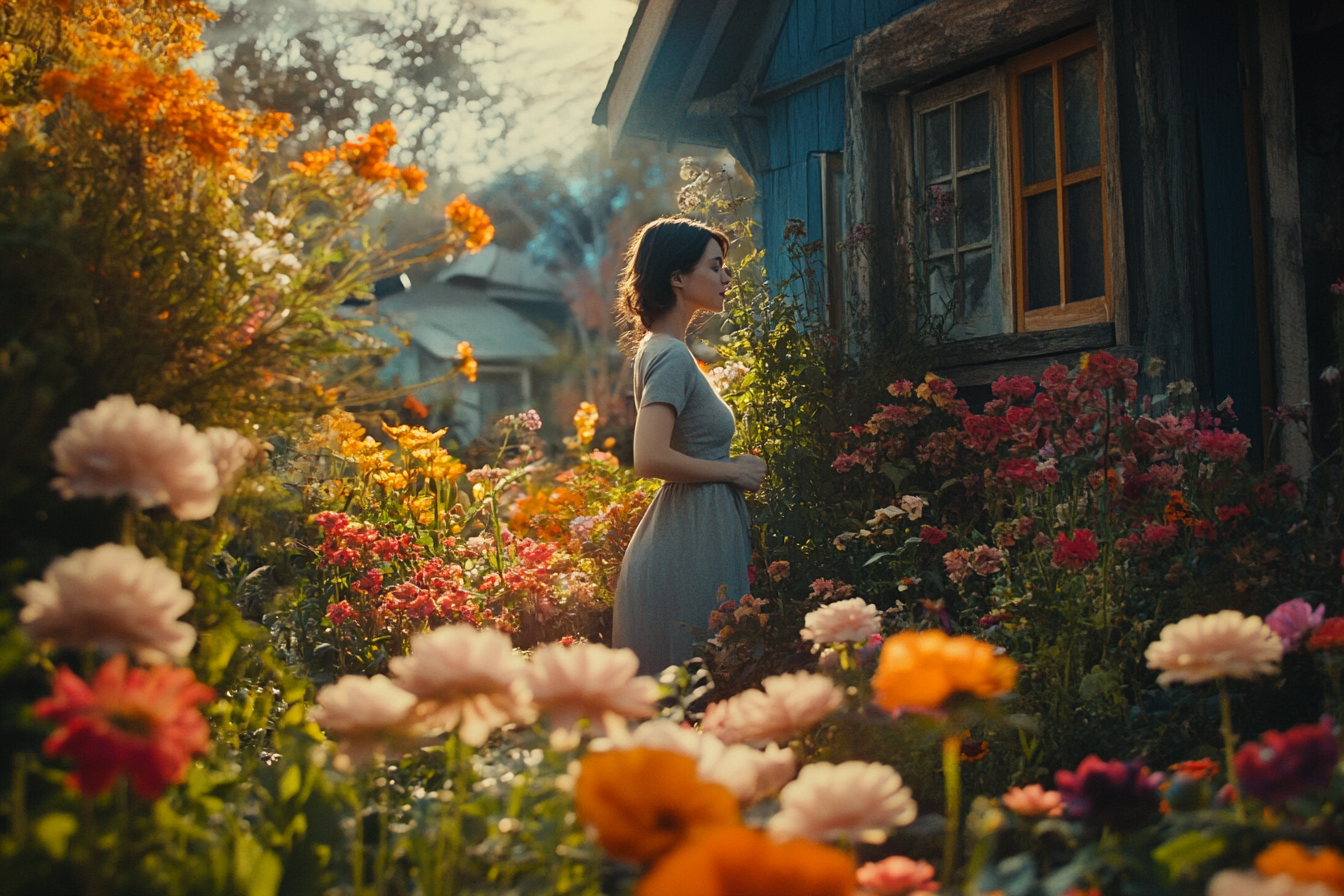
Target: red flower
[(931, 535), (1021, 387), (1282, 766), (1229, 447), (340, 612), (1329, 635), (143, 722), (1232, 513), (1204, 529), (1076, 552)]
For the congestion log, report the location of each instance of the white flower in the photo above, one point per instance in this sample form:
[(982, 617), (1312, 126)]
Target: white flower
[(289, 260), (281, 281), (368, 715), (914, 506), (589, 681), (266, 256), (245, 242), (112, 598), (749, 774), (1230, 882), (856, 800), (230, 452), (1330, 375), (465, 678), (788, 705), (118, 447), (843, 621), (1200, 648)]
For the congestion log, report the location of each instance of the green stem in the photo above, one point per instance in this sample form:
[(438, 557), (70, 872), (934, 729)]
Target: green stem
[(952, 830), (1229, 748), (18, 800), (88, 834)]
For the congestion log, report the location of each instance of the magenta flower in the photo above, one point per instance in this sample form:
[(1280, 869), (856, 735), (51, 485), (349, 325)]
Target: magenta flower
[(1282, 766), (1294, 620), (1119, 795)]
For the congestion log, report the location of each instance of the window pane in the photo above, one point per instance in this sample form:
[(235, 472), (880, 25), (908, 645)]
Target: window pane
[(937, 143), (1042, 251), (942, 284), (973, 132), (980, 284), (1087, 258), (942, 216), (1082, 115), (1038, 126), (975, 201)]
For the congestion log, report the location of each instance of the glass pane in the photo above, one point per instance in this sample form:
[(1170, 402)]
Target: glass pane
[(975, 199), (980, 285), (1038, 126), (942, 286), (1042, 251), (937, 143), (1082, 114), (973, 132), (1087, 257), (942, 216)]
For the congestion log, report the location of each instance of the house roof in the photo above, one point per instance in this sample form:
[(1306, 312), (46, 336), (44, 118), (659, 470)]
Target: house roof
[(504, 274), (439, 316)]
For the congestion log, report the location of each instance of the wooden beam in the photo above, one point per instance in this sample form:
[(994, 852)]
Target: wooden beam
[(704, 52), (828, 71), (946, 36), (758, 63), (1288, 294), (1025, 345), (643, 49)]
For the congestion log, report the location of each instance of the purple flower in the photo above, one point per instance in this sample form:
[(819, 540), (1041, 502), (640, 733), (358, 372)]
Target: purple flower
[(1294, 620), (1285, 765), (1120, 795)]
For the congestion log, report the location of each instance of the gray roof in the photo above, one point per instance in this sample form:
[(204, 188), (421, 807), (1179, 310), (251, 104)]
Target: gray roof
[(506, 274), (439, 316)]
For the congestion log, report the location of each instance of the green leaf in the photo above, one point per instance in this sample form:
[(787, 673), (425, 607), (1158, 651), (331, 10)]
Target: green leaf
[(896, 474), (256, 868), (54, 831), (876, 557), (1184, 855), (290, 782)]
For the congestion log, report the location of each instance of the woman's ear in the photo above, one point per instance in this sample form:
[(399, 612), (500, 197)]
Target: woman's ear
[(677, 280)]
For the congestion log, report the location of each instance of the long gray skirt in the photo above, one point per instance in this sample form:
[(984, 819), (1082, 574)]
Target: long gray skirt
[(693, 539)]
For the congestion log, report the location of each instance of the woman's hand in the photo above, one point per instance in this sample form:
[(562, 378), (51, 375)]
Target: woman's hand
[(748, 472)]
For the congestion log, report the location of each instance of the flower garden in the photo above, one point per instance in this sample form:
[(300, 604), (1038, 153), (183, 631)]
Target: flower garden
[(1062, 641)]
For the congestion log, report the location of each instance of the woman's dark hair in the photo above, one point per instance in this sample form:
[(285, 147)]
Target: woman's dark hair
[(661, 248)]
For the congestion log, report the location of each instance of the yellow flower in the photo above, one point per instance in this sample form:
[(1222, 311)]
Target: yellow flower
[(412, 437), (921, 670), (479, 491), (469, 365), (585, 422), (645, 802), (422, 508), (1324, 866), (391, 480), (439, 464)]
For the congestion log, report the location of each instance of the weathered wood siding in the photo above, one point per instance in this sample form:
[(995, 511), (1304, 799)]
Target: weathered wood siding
[(820, 31)]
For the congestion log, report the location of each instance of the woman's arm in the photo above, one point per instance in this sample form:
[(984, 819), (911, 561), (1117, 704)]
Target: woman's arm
[(655, 457)]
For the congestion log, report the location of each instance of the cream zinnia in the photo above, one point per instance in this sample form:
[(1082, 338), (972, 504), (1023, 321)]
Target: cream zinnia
[(855, 800), (113, 598), (588, 681), (367, 715), (1224, 644), (120, 448), (788, 705), (230, 453), (465, 678), (749, 774), (849, 621)]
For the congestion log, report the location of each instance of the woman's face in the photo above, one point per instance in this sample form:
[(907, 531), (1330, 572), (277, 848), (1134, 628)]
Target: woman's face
[(706, 285)]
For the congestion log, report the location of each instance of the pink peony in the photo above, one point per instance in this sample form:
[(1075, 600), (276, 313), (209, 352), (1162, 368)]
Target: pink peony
[(112, 598), (1202, 648), (896, 876), (845, 621), (1293, 620), (856, 800), (588, 681), (1034, 800), (788, 705), (120, 448)]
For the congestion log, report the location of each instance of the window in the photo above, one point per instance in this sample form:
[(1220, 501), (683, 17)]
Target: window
[(958, 157), (1008, 172), (1059, 220)]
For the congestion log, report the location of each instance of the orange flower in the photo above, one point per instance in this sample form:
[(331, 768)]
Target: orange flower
[(469, 365), (471, 220), (413, 180), (415, 406), (367, 156), (644, 802), (1324, 866), (412, 437), (1177, 510), (742, 861), (585, 422), (315, 162), (921, 670)]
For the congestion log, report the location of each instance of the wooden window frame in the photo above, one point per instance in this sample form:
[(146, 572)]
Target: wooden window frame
[(832, 164), (1067, 313), (991, 81)]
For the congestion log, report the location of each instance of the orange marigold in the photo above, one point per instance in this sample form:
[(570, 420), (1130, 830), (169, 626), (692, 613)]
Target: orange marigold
[(644, 802), (742, 861), (469, 365), (472, 220), (1324, 866), (315, 162), (413, 180), (367, 156), (920, 670)]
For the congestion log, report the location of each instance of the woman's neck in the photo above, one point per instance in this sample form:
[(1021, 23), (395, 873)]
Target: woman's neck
[(675, 322)]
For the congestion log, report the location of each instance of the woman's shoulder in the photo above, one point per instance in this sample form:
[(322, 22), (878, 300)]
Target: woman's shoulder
[(659, 347)]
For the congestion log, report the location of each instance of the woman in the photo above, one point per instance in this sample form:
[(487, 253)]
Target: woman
[(694, 538)]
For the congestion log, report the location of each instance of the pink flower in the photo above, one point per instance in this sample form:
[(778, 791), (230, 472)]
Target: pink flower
[(1034, 800), (896, 876), (845, 621), (589, 681), (369, 716), (857, 800), (778, 571), (1294, 620), (958, 565), (787, 705), (1202, 648), (986, 560), (1227, 447)]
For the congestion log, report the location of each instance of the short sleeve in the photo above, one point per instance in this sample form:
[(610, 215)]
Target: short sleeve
[(667, 376)]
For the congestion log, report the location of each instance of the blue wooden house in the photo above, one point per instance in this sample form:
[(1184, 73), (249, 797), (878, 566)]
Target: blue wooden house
[(1063, 175)]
